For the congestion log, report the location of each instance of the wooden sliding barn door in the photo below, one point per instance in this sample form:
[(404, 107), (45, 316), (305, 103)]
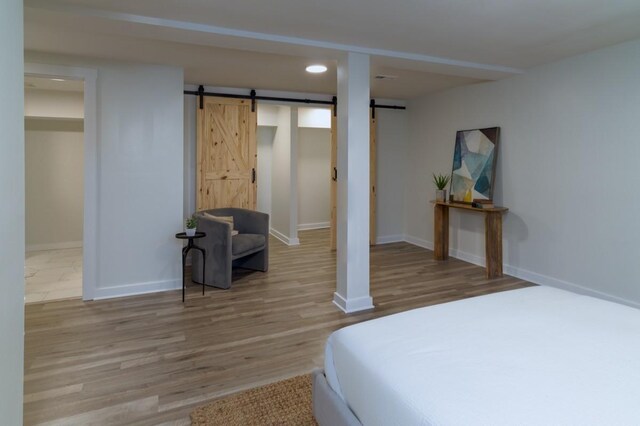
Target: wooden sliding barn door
[(372, 181), (334, 182), (372, 178), (226, 154)]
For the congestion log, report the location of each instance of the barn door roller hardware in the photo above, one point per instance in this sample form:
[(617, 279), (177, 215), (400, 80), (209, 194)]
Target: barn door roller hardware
[(253, 100), (254, 97), (201, 95)]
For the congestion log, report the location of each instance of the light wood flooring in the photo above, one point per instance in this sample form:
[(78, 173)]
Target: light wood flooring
[(151, 359)]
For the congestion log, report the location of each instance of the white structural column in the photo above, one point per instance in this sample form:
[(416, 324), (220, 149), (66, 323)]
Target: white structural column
[(11, 212), (352, 292), (293, 178)]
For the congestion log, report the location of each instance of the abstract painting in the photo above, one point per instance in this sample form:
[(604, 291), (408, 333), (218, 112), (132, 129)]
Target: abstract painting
[(474, 164)]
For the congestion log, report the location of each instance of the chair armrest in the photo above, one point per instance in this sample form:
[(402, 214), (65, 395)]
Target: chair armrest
[(251, 222)]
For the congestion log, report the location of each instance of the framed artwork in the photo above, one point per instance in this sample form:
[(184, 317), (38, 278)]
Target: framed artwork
[(474, 165)]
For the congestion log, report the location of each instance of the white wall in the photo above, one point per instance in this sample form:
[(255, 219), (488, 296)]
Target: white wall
[(314, 118), (268, 115), (392, 139), (53, 185), (267, 125), (140, 116), (567, 170), (53, 103), (265, 138), (284, 176), (314, 184), (11, 212), (189, 152)]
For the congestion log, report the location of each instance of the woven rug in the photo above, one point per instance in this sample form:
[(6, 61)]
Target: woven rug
[(282, 403)]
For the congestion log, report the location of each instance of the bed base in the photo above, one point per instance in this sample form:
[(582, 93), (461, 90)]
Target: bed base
[(328, 408)]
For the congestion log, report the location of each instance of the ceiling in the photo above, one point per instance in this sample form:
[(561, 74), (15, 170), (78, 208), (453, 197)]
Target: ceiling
[(429, 45)]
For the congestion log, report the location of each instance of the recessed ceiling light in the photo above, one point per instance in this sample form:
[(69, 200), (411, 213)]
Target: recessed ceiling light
[(316, 69), (57, 79)]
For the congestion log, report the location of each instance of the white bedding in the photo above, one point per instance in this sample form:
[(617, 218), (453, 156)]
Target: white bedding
[(535, 356)]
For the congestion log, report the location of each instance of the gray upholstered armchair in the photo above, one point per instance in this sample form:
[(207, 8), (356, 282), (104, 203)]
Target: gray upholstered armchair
[(249, 249)]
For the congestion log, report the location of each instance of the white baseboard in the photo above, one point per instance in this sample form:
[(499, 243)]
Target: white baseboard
[(387, 239), (308, 226), (138, 288), (54, 246), (288, 241), (523, 274), (468, 257), (545, 280), (349, 306), (418, 242)]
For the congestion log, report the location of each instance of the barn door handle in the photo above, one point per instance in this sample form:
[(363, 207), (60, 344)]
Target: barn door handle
[(335, 174), (253, 175)]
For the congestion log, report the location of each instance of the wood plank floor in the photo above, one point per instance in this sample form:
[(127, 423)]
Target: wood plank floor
[(151, 359)]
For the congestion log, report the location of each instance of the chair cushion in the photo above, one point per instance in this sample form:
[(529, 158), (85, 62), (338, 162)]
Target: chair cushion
[(246, 243), (225, 219)]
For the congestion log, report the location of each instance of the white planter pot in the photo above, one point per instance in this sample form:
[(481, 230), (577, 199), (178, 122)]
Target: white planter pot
[(441, 195), (190, 232)]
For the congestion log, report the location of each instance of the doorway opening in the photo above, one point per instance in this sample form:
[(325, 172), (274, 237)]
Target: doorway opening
[(294, 159), (54, 193), (61, 182), (314, 171)]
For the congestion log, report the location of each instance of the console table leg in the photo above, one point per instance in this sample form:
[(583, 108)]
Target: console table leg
[(441, 233), (493, 244)]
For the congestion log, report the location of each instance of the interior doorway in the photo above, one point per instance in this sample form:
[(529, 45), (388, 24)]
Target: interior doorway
[(54, 193), (314, 169), (293, 173), (69, 117)]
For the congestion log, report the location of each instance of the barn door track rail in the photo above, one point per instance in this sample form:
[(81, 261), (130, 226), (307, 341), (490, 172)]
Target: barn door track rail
[(201, 93)]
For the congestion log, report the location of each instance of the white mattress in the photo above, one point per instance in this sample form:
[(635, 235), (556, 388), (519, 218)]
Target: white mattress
[(535, 356)]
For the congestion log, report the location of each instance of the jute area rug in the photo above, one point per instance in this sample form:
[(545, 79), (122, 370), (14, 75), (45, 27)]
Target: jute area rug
[(282, 403)]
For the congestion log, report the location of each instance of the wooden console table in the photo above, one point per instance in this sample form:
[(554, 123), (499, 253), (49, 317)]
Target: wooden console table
[(492, 234)]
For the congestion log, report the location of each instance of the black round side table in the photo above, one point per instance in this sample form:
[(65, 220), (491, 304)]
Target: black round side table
[(185, 250)]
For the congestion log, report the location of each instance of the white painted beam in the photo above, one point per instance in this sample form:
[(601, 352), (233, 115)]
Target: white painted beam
[(352, 292)]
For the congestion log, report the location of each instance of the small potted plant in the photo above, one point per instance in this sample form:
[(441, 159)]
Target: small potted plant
[(441, 181), (190, 225)]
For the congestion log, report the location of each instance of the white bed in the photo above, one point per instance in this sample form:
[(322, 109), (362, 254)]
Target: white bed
[(535, 356)]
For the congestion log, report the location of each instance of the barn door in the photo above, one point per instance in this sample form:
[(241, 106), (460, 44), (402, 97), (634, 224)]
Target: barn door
[(372, 181), (372, 178), (226, 154), (334, 182)]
